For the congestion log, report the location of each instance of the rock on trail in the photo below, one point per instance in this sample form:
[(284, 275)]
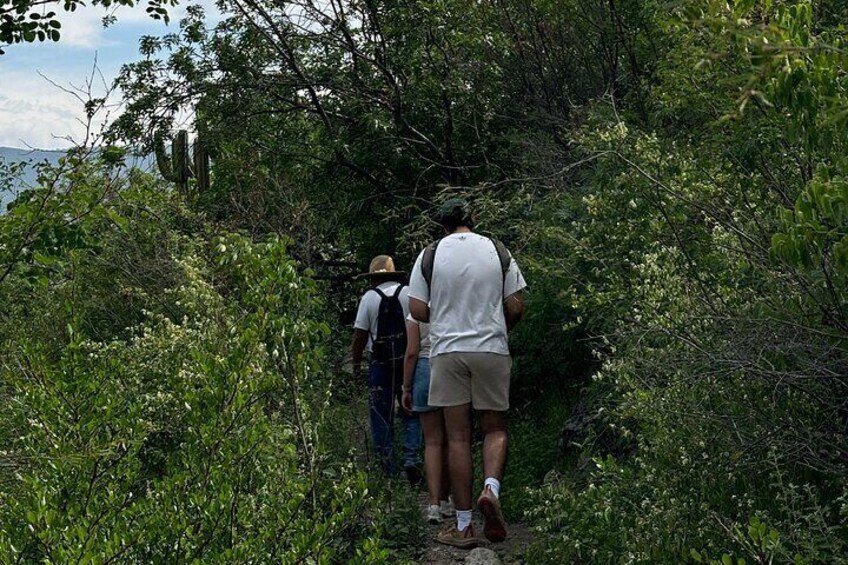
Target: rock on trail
[(509, 552)]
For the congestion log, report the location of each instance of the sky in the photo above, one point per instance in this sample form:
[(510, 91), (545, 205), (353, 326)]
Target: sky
[(35, 113)]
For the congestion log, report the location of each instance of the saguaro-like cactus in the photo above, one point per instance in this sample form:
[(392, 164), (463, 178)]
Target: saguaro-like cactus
[(178, 169)]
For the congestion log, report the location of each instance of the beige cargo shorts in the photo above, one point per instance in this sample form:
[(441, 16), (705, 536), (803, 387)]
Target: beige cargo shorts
[(479, 378)]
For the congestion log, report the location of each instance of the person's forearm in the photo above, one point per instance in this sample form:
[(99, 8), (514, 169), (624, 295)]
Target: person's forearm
[(355, 352), (512, 320), (513, 310), (357, 347), (409, 362)]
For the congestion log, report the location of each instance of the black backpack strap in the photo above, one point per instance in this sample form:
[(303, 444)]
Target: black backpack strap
[(503, 256), (428, 260), (399, 288), (378, 291)]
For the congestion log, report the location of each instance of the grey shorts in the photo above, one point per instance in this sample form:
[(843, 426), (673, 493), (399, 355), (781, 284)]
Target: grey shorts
[(481, 379)]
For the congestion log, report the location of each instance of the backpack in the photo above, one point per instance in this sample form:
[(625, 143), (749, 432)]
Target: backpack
[(430, 258), (389, 345)]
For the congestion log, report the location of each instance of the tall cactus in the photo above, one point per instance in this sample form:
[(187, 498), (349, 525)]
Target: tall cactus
[(178, 169)]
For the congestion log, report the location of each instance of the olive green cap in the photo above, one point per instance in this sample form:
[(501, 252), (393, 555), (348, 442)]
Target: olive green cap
[(455, 207)]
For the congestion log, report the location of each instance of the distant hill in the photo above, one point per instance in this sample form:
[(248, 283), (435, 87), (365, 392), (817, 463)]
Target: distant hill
[(35, 156), (32, 156)]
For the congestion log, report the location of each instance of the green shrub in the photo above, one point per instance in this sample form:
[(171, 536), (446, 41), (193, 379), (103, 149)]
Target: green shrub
[(191, 435)]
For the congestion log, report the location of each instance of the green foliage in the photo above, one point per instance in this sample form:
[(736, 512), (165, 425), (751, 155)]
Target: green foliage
[(180, 425), (535, 453), (632, 155), (27, 21), (670, 175), (718, 321), (368, 110), (400, 527)]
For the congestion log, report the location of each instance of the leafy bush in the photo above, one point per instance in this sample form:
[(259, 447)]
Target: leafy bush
[(718, 321), (190, 434)]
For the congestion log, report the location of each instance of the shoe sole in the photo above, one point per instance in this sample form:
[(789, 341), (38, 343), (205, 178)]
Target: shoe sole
[(494, 526), (461, 544), (434, 521)]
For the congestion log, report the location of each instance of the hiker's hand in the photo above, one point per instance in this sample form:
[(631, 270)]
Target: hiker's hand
[(406, 401)]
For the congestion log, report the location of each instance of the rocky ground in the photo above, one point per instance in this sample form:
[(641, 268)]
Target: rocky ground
[(510, 551)]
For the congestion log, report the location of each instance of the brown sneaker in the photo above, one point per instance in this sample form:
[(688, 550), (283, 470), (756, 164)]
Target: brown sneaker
[(494, 525), (463, 540)]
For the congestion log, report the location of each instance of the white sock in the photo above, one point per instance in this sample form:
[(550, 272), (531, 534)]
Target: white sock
[(463, 518), (494, 485)]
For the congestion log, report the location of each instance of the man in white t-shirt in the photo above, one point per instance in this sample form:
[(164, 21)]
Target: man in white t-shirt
[(385, 377), (475, 295)]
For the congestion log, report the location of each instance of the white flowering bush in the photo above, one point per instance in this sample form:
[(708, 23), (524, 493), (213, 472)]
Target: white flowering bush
[(712, 277)]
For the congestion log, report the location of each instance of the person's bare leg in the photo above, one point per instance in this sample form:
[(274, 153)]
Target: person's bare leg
[(434, 454), (445, 492), (458, 427), (493, 426)]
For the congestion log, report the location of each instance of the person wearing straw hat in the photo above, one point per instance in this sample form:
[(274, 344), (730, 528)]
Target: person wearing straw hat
[(470, 290), (380, 336)]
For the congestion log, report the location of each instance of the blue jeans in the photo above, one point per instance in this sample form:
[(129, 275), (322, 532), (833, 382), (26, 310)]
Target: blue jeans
[(384, 385), (421, 387)]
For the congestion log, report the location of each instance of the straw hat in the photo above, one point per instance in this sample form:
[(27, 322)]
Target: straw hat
[(382, 266)]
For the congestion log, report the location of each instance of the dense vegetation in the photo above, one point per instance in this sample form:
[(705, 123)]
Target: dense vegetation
[(672, 177), (28, 21)]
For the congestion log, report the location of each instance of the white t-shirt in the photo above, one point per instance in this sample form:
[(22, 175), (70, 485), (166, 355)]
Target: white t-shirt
[(423, 336), (466, 298), (369, 308)]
